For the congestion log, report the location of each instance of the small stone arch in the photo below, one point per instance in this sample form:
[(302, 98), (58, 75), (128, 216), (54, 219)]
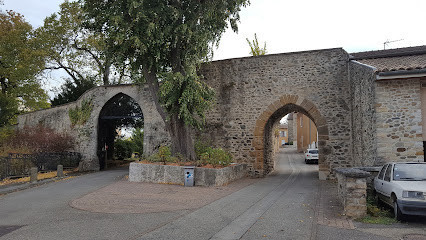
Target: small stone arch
[(284, 105)]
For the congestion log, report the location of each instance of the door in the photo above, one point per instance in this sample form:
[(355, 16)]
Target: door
[(378, 183), (387, 185)]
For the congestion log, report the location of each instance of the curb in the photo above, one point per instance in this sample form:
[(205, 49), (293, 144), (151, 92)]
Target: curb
[(22, 186)]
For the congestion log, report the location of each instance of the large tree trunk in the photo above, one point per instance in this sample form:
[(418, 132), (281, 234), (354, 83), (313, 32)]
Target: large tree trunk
[(180, 133), (181, 138)]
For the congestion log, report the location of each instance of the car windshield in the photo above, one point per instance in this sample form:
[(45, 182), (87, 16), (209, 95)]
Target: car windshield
[(313, 151), (409, 172)]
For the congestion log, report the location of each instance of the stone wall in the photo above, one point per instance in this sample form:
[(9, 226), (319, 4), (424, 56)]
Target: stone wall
[(167, 174), (363, 113), (86, 135), (399, 120), (253, 94), (251, 90), (352, 191)]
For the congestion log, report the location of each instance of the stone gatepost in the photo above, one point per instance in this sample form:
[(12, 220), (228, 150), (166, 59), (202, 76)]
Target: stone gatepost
[(60, 171), (33, 174), (352, 191)]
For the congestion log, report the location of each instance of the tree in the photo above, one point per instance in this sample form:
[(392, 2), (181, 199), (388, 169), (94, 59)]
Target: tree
[(137, 138), (71, 91), (165, 41), (78, 51), (255, 49), (21, 60)]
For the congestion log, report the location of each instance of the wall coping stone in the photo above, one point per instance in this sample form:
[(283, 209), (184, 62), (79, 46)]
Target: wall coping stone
[(352, 172), (369, 169)]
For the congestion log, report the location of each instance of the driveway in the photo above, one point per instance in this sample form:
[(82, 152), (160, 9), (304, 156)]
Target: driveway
[(289, 204)]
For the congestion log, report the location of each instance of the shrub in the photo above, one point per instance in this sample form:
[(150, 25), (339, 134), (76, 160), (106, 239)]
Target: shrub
[(162, 155), (39, 139), (201, 147), (123, 148)]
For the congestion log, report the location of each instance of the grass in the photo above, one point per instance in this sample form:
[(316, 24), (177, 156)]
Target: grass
[(377, 215)]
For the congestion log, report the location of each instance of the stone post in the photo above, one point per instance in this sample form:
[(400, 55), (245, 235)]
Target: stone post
[(60, 171), (352, 191), (33, 174)]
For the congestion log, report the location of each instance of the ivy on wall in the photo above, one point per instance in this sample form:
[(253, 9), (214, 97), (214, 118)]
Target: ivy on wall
[(80, 115)]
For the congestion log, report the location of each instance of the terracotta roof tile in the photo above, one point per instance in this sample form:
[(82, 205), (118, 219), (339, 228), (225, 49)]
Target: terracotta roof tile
[(410, 58)]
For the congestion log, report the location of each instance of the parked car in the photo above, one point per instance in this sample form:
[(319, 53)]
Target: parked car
[(311, 156), (402, 186)]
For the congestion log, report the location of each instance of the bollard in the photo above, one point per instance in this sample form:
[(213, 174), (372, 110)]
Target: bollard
[(33, 174), (60, 171)]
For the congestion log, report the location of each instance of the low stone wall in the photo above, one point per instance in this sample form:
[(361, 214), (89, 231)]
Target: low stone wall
[(153, 173), (374, 171), (352, 191)]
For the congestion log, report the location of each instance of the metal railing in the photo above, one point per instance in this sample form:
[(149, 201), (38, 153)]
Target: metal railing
[(18, 165)]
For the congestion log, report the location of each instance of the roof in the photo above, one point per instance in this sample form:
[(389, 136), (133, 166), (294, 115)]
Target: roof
[(398, 59)]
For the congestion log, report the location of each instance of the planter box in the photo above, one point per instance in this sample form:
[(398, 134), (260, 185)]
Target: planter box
[(152, 173)]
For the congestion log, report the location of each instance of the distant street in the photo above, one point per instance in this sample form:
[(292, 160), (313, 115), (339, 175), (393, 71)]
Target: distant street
[(290, 204)]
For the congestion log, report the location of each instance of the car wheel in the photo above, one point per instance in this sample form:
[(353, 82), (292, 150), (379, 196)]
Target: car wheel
[(397, 211), (306, 161)]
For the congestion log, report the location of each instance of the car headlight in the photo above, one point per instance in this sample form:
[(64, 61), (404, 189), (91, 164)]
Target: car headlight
[(413, 194)]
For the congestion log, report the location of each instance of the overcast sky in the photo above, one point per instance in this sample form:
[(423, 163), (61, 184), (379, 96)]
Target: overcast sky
[(299, 25)]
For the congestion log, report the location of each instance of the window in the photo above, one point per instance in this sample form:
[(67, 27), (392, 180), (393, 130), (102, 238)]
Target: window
[(301, 121), (382, 172), (388, 173)]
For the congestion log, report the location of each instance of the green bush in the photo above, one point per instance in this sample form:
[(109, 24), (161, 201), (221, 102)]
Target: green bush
[(123, 148), (163, 155), (201, 147)]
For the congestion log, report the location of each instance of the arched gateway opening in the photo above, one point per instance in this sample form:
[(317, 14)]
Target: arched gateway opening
[(120, 113), (263, 134)]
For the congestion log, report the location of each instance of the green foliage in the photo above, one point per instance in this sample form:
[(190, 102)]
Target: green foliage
[(163, 155), (71, 91), (5, 134), (201, 147), (80, 115), (186, 96), (165, 41), (213, 156), (77, 51), (376, 215), (123, 148), (255, 49), (22, 58), (137, 138)]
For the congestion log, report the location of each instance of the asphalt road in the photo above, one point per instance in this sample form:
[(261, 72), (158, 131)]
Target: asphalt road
[(280, 206)]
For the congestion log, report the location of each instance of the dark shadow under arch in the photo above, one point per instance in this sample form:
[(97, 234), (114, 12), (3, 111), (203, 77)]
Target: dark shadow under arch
[(121, 110)]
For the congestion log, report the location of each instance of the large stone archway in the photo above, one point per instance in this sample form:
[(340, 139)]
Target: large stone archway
[(275, 111)]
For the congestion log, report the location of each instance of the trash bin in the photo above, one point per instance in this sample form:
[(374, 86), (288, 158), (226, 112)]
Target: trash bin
[(189, 176)]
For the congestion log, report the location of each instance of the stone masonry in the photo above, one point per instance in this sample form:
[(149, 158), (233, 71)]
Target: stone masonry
[(86, 135), (399, 120), (255, 92), (352, 191), (363, 87), (342, 97)]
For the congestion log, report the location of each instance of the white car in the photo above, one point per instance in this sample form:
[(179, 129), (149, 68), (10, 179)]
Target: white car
[(311, 155), (403, 187)]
